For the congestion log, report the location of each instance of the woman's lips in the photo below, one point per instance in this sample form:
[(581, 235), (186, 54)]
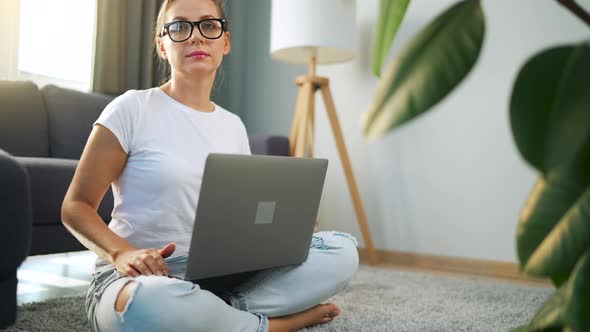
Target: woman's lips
[(198, 55)]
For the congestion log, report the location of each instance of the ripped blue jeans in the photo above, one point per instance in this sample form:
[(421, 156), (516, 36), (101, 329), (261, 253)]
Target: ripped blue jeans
[(242, 302)]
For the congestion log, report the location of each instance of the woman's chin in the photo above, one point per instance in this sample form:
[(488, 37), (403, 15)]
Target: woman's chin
[(201, 70)]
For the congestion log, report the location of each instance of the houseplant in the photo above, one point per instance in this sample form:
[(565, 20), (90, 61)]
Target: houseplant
[(550, 121)]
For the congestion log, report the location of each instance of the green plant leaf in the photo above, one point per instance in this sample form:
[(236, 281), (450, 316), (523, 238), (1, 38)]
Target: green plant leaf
[(569, 306), (550, 106), (431, 65), (552, 312), (391, 15), (579, 309), (552, 196), (559, 252)]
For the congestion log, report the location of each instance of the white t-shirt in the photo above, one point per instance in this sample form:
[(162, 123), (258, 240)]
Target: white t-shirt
[(167, 144)]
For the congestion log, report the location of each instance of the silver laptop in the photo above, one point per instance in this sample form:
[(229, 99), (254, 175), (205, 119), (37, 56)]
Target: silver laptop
[(254, 212)]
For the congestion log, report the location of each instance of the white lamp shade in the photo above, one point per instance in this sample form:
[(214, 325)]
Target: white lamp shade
[(302, 28)]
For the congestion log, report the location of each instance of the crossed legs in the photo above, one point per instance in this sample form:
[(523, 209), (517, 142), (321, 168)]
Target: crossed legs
[(282, 299)]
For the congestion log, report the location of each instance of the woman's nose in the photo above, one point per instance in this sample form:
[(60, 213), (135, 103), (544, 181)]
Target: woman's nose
[(196, 37)]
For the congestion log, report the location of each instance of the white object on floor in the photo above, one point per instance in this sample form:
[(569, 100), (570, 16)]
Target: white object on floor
[(28, 288), (83, 261), (50, 279)]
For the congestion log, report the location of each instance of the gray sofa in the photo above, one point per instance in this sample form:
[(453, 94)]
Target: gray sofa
[(42, 135), (45, 131), (15, 237)]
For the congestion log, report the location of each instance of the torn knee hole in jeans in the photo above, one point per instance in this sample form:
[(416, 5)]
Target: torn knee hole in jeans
[(131, 287)]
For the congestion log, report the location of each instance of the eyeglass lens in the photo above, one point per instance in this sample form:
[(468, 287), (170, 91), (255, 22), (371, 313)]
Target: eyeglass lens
[(181, 31)]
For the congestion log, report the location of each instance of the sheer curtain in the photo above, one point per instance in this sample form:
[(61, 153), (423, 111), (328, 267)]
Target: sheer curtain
[(124, 55)]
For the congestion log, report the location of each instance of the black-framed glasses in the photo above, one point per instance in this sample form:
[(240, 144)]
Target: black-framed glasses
[(179, 31)]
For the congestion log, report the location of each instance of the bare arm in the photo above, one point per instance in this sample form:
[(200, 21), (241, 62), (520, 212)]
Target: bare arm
[(101, 163)]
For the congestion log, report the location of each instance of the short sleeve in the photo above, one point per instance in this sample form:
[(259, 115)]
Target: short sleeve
[(120, 117)]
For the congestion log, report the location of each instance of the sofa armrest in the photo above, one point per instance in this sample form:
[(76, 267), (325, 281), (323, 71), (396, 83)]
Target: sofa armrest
[(15, 217), (269, 145), (50, 179)]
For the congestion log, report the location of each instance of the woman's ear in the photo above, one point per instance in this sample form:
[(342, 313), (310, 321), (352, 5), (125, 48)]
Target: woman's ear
[(162, 49), (227, 47)]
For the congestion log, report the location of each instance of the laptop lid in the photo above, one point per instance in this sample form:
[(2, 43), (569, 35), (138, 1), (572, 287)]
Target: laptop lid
[(254, 212)]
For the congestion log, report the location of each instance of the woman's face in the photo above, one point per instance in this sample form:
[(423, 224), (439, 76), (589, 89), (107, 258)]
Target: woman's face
[(196, 55)]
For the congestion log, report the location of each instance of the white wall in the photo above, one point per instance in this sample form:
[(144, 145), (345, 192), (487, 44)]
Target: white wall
[(450, 183)]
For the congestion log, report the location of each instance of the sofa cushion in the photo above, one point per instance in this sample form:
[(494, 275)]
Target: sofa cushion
[(273, 145), (50, 239), (71, 115), (23, 120), (50, 179)]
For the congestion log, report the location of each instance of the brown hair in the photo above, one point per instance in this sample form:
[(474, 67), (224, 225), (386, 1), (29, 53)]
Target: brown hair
[(220, 4)]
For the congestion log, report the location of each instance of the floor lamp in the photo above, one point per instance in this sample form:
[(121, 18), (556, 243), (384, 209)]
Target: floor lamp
[(317, 32)]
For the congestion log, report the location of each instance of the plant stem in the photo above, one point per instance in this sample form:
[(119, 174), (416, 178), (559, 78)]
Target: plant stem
[(580, 12)]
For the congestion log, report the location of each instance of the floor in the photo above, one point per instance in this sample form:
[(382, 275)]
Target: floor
[(49, 276)]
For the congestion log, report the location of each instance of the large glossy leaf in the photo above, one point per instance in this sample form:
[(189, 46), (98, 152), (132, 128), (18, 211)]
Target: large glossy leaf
[(391, 15), (559, 252), (579, 309), (552, 312), (570, 304), (550, 106), (552, 196), (432, 64)]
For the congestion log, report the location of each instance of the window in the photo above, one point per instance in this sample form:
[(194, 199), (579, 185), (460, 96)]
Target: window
[(56, 39)]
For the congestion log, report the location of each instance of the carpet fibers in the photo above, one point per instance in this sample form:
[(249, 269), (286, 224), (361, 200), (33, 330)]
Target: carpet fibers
[(378, 299)]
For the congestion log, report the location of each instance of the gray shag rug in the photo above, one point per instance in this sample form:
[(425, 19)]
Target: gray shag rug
[(377, 299)]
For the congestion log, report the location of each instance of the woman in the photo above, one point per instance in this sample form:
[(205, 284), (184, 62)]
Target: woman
[(151, 146)]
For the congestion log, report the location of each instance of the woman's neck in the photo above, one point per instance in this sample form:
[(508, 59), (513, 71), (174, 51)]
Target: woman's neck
[(195, 94)]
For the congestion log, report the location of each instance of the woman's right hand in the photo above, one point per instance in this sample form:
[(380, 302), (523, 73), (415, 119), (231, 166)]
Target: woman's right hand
[(144, 261)]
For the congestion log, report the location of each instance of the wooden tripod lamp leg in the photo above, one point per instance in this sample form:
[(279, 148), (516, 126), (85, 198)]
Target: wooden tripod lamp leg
[(299, 125), (300, 140), (356, 199), (296, 123), (310, 125)]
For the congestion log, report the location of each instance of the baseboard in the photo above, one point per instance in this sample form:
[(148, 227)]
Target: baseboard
[(486, 268)]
